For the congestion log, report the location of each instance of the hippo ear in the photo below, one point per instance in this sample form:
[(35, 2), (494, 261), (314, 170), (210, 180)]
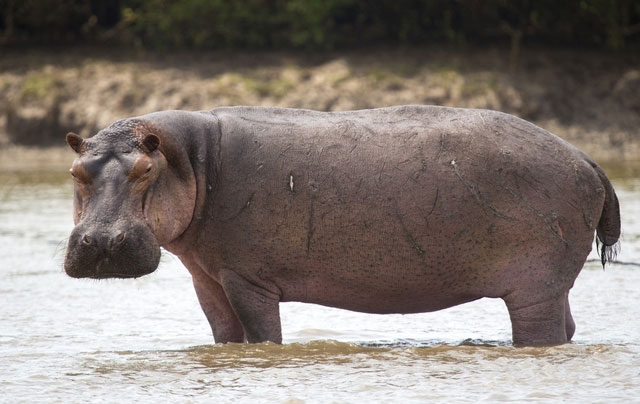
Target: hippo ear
[(150, 143), (75, 142)]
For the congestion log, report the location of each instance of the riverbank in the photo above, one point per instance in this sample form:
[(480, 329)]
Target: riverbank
[(591, 99)]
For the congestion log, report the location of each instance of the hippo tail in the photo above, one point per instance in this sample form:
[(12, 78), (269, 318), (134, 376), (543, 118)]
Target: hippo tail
[(608, 230)]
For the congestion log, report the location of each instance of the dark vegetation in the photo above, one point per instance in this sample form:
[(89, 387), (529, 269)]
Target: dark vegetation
[(320, 24)]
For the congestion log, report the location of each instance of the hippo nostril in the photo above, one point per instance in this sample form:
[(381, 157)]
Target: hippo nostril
[(120, 238), (87, 240)]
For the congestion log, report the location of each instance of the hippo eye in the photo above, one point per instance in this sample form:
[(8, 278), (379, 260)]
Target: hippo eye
[(141, 170), (79, 180), (79, 174)]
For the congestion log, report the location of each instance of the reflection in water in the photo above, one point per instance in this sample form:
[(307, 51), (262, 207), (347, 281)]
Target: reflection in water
[(65, 340)]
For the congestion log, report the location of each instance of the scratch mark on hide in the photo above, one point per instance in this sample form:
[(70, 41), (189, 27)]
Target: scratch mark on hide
[(441, 146), (558, 232), (285, 150), (435, 201), (370, 131), (266, 122), (548, 220), (478, 195), (411, 178), (291, 182), (384, 163), (410, 238), (533, 182), (410, 137), (310, 225), (242, 208), (372, 135)]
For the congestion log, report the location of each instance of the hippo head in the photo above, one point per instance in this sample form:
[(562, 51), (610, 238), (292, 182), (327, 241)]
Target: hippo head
[(131, 197)]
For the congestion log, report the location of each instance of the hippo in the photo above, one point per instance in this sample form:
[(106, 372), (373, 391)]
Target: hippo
[(393, 210)]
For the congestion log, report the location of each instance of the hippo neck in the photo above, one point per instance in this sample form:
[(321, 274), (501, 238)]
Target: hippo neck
[(196, 137)]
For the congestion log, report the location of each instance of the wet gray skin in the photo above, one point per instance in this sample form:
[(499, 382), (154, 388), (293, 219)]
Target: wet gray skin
[(394, 210), (112, 238)]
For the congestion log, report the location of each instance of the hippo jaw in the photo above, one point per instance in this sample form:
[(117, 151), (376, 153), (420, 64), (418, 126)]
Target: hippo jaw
[(128, 252)]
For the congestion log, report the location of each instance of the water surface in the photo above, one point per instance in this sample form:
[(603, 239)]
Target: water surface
[(77, 341)]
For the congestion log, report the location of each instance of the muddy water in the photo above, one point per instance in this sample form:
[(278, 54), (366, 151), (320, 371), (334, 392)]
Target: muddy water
[(78, 341)]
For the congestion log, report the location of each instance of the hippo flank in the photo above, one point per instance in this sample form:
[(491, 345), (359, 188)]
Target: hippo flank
[(393, 210)]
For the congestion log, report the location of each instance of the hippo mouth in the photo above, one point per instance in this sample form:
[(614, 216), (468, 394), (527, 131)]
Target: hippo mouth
[(105, 274), (110, 267), (109, 274), (103, 254), (119, 275)]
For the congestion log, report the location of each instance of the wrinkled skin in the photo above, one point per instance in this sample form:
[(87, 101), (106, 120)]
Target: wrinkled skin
[(394, 210), (123, 210)]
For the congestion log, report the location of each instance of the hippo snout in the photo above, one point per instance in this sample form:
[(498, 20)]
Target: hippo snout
[(106, 242), (96, 252)]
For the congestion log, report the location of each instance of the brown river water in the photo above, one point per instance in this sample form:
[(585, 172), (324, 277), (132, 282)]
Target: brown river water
[(123, 341)]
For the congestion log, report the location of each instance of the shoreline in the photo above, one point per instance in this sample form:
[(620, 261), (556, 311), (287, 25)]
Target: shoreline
[(15, 158)]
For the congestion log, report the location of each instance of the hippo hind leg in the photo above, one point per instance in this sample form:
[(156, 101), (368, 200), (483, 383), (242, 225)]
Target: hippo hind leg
[(541, 323)]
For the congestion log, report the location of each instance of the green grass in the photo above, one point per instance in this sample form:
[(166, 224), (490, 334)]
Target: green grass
[(38, 86)]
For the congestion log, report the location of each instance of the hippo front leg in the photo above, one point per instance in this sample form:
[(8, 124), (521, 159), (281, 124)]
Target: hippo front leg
[(257, 306), (223, 321)]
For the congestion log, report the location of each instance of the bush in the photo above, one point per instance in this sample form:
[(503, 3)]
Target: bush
[(321, 24)]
